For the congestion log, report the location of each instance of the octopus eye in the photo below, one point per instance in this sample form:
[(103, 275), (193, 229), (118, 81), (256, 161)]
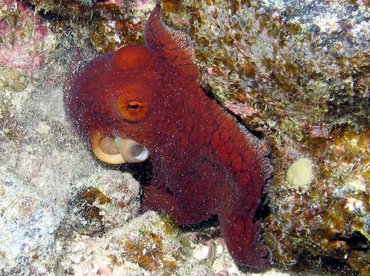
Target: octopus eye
[(133, 111), (133, 105)]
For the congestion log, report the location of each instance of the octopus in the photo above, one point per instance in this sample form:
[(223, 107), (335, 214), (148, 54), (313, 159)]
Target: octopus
[(144, 103)]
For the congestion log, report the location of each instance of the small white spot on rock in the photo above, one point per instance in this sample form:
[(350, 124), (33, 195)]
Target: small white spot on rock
[(300, 173), (328, 23), (201, 252), (43, 128), (355, 205), (357, 184)]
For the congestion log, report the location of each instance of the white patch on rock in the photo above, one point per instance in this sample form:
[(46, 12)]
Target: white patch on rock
[(300, 174)]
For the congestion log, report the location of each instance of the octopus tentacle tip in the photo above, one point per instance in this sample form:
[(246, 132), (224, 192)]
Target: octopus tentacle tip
[(103, 149), (132, 151), (118, 150)]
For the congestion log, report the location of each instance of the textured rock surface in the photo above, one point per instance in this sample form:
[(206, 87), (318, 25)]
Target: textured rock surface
[(299, 72)]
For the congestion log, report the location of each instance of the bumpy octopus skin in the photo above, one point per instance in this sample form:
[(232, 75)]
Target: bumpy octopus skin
[(203, 162)]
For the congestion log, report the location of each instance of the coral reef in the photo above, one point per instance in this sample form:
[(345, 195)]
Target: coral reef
[(148, 245), (24, 39), (107, 25), (278, 58), (330, 220), (297, 71)]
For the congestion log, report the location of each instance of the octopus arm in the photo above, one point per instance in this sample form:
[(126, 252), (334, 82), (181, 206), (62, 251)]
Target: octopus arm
[(159, 39)]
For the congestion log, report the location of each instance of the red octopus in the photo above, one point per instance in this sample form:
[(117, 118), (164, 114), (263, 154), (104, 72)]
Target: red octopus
[(146, 102)]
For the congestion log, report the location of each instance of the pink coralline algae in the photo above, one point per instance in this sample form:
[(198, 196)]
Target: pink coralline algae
[(23, 37), (240, 109)]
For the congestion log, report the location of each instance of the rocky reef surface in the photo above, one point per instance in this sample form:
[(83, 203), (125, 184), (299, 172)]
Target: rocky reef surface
[(297, 72)]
